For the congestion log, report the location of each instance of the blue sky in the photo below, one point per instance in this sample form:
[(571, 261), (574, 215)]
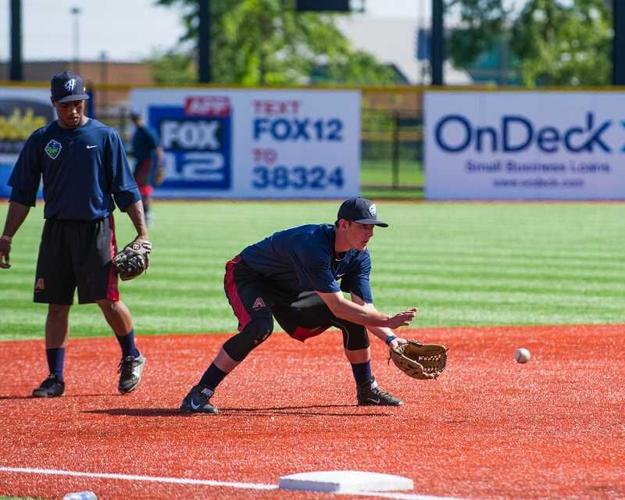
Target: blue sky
[(125, 30)]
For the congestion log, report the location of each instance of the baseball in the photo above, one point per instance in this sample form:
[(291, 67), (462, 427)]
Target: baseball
[(522, 355)]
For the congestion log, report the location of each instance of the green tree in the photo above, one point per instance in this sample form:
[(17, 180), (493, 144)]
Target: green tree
[(481, 26), (564, 43), (172, 67), (558, 42), (265, 42)]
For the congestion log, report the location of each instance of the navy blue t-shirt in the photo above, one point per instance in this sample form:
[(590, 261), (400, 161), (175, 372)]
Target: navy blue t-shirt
[(83, 169), (144, 143), (303, 258)]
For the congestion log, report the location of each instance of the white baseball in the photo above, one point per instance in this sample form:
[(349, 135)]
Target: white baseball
[(522, 355)]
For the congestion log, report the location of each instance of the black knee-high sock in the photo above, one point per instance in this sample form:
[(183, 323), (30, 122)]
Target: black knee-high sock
[(362, 372), (212, 377), (56, 360), (127, 343)]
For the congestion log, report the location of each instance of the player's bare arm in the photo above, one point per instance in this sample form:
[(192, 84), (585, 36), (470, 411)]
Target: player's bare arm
[(356, 313), (160, 156), (135, 212), (16, 216), (388, 335)]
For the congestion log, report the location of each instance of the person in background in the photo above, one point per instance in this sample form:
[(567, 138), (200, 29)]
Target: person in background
[(149, 165)]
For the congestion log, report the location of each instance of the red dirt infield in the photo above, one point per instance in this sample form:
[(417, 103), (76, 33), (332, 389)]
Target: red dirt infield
[(487, 428)]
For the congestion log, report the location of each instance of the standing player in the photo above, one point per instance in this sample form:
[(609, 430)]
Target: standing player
[(84, 168), (293, 276), (148, 161)]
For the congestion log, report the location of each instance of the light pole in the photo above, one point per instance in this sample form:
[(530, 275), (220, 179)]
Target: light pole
[(75, 11), (437, 55), (16, 67), (618, 52), (204, 41)]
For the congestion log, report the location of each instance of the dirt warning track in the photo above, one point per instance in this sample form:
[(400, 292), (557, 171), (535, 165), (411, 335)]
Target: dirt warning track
[(489, 427)]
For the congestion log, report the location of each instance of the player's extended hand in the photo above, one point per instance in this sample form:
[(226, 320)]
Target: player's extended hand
[(401, 318), (5, 250)]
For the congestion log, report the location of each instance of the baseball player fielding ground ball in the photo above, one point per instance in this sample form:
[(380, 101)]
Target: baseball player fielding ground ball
[(297, 276), (85, 174)]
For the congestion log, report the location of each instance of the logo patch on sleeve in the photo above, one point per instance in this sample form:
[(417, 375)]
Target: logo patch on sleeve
[(53, 149)]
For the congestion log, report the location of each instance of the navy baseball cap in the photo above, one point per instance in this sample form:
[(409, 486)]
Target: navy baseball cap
[(360, 210), (67, 87)]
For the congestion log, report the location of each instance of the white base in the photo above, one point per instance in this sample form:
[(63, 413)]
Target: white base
[(344, 480)]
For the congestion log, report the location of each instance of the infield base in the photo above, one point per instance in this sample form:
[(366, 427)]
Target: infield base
[(344, 481)]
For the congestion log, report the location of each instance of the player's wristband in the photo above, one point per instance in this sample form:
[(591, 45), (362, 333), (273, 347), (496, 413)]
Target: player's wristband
[(6, 238), (390, 339)]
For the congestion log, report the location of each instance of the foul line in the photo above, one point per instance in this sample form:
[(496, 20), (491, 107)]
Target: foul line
[(203, 482), (129, 477)]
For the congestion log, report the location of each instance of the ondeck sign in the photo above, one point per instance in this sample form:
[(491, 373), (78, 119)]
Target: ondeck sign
[(525, 145), (256, 143)]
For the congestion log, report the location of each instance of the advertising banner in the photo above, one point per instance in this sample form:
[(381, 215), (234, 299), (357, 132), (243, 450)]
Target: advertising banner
[(255, 143), (22, 111), (525, 145)]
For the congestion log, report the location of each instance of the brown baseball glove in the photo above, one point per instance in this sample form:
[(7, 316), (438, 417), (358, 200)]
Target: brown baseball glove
[(133, 260), (417, 360)]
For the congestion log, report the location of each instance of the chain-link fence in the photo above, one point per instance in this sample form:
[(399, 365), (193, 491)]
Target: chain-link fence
[(392, 139)]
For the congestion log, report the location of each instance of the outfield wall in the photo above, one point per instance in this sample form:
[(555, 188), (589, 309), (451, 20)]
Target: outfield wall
[(525, 145), (306, 143)]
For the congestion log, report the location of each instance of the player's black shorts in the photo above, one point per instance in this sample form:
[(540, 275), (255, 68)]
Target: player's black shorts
[(76, 254), (301, 316)]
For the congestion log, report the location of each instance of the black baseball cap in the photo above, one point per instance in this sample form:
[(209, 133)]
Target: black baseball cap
[(360, 210), (67, 87)]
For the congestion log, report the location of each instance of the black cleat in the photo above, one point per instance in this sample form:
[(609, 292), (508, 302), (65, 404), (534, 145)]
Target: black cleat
[(198, 401), (370, 394), (130, 372), (51, 387)]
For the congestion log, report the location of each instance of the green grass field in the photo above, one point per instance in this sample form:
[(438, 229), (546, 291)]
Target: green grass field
[(459, 263)]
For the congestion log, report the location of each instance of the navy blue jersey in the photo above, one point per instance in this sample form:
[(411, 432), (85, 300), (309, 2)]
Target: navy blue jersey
[(83, 169), (144, 143), (303, 258)]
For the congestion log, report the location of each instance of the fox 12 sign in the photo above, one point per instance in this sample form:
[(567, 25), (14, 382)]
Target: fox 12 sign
[(255, 143)]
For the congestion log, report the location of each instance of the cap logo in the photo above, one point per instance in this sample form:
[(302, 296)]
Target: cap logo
[(53, 149), (70, 84), (373, 210)]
